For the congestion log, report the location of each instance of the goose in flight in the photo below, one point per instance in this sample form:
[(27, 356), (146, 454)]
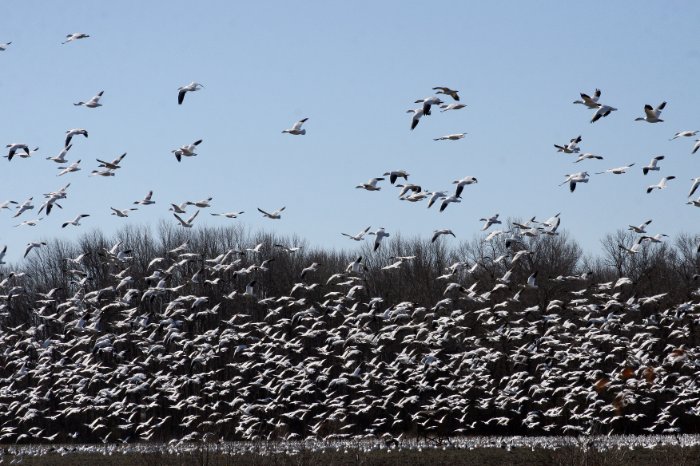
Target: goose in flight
[(76, 221), (94, 102), (653, 165), (571, 147), (450, 137), (14, 147), (4, 46), (276, 215), (393, 175), (438, 233), (61, 157), (532, 280), (75, 36), (186, 150), (417, 115), (358, 237), (590, 102), (489, 221), (652, 114), (657, 238), (122, 212), (602, 112), (114, 164), (70, 168), (429, 102), (694, 186), (30, 223), (32, 245), (229, 214), (661, 184), (686, 134), (617, 170), (587, 156), (146, 200), (107, 172), (74, 132), (204, 203), (6, 204), (179, 209), (23, 207), (447, 91), (448, 200), (409, 187), (187, 223), (574, 178), (434, 196), (296, 129), (634, 249), (191, 87), (467, 180), (371, 185), (446, 107), (379, 235), (641, 229), (23, 154)]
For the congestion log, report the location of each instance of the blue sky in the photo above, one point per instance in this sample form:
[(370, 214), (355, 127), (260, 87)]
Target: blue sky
[(352, 68)]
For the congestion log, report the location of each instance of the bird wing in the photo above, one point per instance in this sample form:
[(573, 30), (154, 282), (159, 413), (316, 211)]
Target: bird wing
[(264, 213), (181, 96), (191, 219), (696, 183)]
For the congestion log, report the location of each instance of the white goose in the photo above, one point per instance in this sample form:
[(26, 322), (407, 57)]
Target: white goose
[(661, 184), (379, 235), (446, 107), (371, 185), (438, 233), (4, 46), (694, 186), (417, 115), (61, 157), (450, 137), (74, 132), (186, 150), (76, 221), (590, 102), (571, 147), (358, 237), (652, 114), (616, 170), (75, 36), (187, 223), (653, 165), (94, 102), (191, 87), (686, 134), (587, 156), (276, 215), (296, 129)]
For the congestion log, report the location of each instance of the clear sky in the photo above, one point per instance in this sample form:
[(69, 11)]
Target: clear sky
[(352, 68)]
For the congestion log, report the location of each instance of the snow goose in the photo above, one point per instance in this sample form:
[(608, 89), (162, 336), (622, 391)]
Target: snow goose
[(393, 175), (191, 87), (94, 102), (449, 200), (408, 187), (434, 196), (652, 114), (574, 178), (105, 173), (30, 223), (590, 102), (75, 36), (187, 223), (447, 91), (14, 147), (276, 215), (229, 214), (446, 107), (587, 156), (602, 112), (417, 115), (657, 238), (146, 200), (114, 164), (450, 137), (202, 204), (186, 150), (694, 186), (74, 167), (74, 132), (32, 245), (296, 129), (358, 237), (571, 147), (438, 233), (686, 134), (4, 46), (61, 157), (76, 221), (429, 102), (661, 184), (23, 207), (467, 180), (371, 185), (653, 165), (122, 212), (641, 229), (616, 170), (489, 221), (379, 235)]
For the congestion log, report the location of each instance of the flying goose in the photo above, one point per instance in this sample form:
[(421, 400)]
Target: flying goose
[(379, 235), (70, 168), (653, 165), (393, 175), (74, 132), (229, 214), (187, 223), (694, 186), (641, 229), (446, 201), (428, 102), (371, 185), (191, 87), (590, 102), (467, 180), (602, 112), (652, 114), (587, 156), (14, 147), (434, 196), (661, 184), (438, 233), (358, 237), (408, 187), (417, 115), (146, 200), (23, 207), (276, 215), (489, 221), (204, 203), (30, 223), (76, 221), (122, 212), (616, 170), (32, 245), (105, 173), (4, 46), (75, 36), (447, 91), (446, 107), (114, 164), (574, 178), (296, 129), (61, 157), (186, 150), (686, 134), (571, 147), (94, 102), (450, 137)]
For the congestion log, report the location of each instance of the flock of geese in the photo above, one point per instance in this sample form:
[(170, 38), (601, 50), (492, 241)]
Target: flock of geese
[(188, 341)]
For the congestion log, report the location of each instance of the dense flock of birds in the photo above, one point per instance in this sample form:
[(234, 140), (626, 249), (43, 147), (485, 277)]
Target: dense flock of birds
[(189, 344)]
